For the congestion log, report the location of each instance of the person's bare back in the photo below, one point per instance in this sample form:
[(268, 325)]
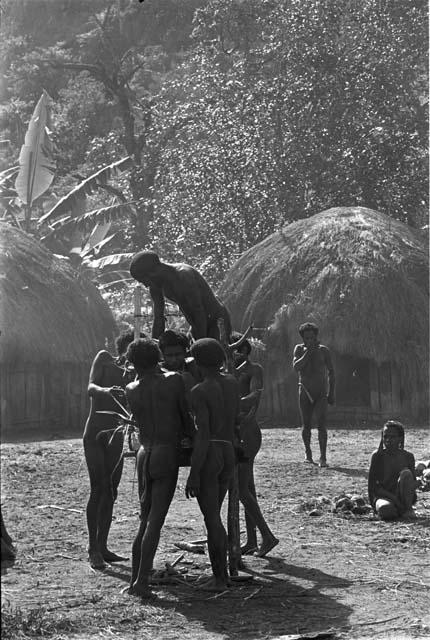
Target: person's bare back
[(216, 406), (186, 287)]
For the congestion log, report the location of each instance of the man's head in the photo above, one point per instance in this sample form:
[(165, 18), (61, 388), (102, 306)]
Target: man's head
[(174, 346), (143, 354), (143, 266), (393, 435), (241, 354), (309, 333), (124, 339), (208, 353)]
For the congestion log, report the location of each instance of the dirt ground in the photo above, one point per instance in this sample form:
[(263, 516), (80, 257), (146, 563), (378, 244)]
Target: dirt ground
[(346, 575)]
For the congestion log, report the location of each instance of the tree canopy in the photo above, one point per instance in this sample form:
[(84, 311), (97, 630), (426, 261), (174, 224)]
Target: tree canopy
[(239, 116)]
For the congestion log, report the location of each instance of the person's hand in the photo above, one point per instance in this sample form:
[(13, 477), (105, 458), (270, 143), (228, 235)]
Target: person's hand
[(117, 392), (192, 487), (330, 398)]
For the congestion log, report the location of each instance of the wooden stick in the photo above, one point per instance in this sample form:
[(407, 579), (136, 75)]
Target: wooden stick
[(192, 548), (178, 559), (254, 593), (233, 528), (137, 310), (54, 506)]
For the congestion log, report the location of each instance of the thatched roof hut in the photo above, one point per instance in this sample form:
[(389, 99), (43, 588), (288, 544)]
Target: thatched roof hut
[(52, 323), (363, 278)]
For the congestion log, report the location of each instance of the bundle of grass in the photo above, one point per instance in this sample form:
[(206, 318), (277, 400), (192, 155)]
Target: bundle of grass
[(53, 322), (362, 277)]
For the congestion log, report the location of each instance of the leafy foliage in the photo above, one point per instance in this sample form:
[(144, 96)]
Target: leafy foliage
[(239, 116)]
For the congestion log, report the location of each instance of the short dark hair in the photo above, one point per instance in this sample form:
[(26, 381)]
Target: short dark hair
[(235, 336), (171, 338), (143, 353), (143, 263), (207, 352), (308, 326), (393, 424), (124, 339)]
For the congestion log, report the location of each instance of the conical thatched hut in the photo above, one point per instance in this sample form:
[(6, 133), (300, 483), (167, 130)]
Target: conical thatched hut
[(363, 278), (52, 324)]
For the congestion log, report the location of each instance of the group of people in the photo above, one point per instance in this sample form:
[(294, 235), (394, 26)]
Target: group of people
[(181, 397)]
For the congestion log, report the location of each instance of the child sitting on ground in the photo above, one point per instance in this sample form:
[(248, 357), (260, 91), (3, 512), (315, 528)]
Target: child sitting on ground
[(392, 481)]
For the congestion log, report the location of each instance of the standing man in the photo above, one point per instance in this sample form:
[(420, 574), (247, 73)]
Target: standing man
[(312, 361), (184, 286), (250, 377), (158, 404)]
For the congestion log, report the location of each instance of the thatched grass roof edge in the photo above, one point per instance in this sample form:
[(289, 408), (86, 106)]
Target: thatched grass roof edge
[(48, 312)]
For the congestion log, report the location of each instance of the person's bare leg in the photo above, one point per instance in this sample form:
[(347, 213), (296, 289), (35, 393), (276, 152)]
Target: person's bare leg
[(145, 508), (306, 410), (406, 493), (210, 499), (252, 439), (162, 492), (321, 416), (252, 508), (95, 462), (386, 509), (114, 466), (250, 545)]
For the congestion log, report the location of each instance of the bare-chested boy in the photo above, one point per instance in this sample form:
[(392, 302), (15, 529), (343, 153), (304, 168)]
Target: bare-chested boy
[(185, 286), (103, 454), (158, 404), (392, 481), (250, 377), (216, 408), (312, 361), (174, 346)]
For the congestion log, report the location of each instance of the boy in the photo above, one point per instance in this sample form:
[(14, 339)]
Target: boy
[(216, 407), (250, 377), (157, 402), (392, 480)]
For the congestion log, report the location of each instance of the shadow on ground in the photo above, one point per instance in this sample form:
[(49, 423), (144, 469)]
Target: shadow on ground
[(354, 473), (281, 599)]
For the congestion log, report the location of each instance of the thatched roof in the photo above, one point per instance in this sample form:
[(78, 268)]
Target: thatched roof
[(360, 275), (47, 312)]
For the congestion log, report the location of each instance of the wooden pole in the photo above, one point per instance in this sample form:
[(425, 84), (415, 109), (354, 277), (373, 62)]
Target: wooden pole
[(137, 311), (233, 528)]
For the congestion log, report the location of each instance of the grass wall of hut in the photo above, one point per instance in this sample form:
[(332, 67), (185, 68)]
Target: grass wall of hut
[(53, 322), (44, 399), (367, 394)]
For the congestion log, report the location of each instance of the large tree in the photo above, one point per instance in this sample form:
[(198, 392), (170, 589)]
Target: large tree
[(298, 106)]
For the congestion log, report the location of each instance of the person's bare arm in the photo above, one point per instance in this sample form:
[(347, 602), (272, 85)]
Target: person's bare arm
[(201, 442), (250, 402), (159, 322), (300, 357), (331, 376), (102, 359), (372, 479)]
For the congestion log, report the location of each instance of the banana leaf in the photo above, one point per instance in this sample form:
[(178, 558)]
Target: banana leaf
[(87, 186), (36, 162)]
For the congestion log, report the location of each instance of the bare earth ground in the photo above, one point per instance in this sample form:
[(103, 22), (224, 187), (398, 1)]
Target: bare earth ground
[(352, 576)]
